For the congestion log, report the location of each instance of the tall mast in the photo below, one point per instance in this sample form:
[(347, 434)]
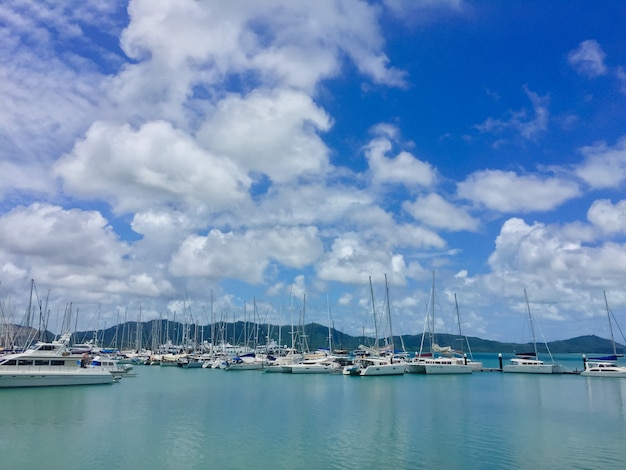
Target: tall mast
[(374, 314), (532, 328), (389, 315), (608, 313)]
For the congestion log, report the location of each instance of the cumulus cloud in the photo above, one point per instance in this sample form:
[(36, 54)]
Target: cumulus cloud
[(353, 262), (506, 191), (554, 259), (435, 211), (608, 217), (72, 250), (245, 256), (271, 133), (588, 59), (153, 165), (603, 166), (403, 168)]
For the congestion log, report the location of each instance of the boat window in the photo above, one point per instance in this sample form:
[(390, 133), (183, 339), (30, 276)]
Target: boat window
[(41, 362), (57, 362), (10, 362), (24, 362)]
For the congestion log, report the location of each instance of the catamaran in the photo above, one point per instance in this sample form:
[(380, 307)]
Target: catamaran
[(606, 366), (529, 362), (440, 360)]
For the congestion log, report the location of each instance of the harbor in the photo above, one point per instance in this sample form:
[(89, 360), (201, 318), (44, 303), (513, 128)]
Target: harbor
[(170, 417)]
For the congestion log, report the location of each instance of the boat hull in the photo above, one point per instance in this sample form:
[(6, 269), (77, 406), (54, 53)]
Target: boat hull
[(604, 373), (313, 369), (443, 369), (603, 369), (529, 369), (48, 378), (384, 369)]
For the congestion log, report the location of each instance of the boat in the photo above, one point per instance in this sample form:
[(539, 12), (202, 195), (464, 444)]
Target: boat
[(314, 366), (597, 367), (529, 362), (322, 361), (111, 364), (248, 361), (439, 360), (377, 360), (605, 366), (50, 364)]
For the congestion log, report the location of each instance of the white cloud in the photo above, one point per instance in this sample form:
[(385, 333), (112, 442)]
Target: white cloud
[(435, 211), (604, 166), (403, 168), (588, 59), (272, 133), (154, 165), (245, 256), (353, 262), (274, 42), (554, 261), (48, 98), (73, 251), (610, 218), (508, 192)]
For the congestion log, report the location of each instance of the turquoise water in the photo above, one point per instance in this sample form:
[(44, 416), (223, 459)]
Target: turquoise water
[(169, 417)]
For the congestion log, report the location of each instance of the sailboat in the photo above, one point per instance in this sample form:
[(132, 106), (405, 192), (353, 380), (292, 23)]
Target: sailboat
[(604, 366), (475, 365), (321, 361), (440, 360), (529, 362), (378, 360)]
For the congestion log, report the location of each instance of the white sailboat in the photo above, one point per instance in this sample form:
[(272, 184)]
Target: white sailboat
[(440, 360), (378, 361), (606, 366), (319, 362), (529, 362)]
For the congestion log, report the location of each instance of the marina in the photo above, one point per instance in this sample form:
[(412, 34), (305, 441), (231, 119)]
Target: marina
[(171, 417)]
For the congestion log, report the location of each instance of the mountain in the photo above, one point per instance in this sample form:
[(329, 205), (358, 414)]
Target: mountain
[(156, 332)]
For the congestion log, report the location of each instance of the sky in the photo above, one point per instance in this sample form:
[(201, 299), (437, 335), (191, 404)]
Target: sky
[(320, 161)]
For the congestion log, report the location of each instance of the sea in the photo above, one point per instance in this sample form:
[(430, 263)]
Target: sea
[(174, 418)]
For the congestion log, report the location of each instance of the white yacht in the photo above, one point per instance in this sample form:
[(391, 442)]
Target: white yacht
[(603, 367), (527, 363), (439, 365), (373, 366), (49, 364), (606, 366), (314, 365)]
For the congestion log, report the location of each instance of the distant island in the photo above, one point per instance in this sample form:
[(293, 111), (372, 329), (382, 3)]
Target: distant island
[(151, 334)]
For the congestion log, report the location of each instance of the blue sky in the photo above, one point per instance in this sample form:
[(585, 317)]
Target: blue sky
[(153, 152)]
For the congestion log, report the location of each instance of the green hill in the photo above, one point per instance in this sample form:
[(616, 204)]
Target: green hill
[(153, 333)]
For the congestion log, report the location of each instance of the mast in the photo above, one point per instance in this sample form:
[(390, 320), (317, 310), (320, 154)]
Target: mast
[(463, 338), (532, 328), (432, 315), (389, 316), (330, 335), (374, 314), (608, 313)]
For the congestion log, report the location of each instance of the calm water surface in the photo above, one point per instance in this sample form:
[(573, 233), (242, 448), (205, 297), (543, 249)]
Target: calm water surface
[(176, 418)]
